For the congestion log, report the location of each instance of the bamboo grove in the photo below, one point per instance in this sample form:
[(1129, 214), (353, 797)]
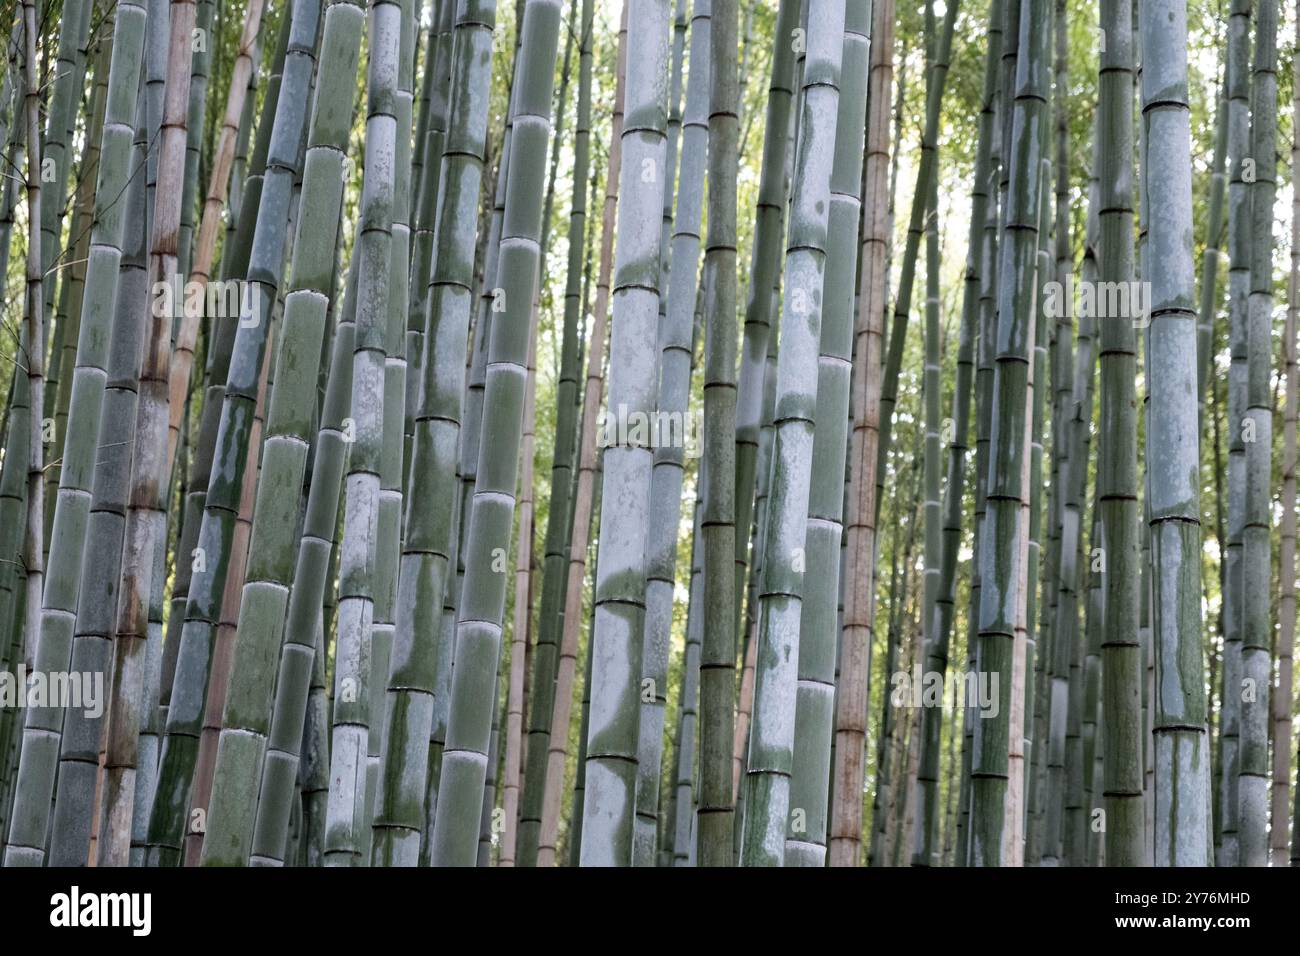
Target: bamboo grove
[(648, 432)]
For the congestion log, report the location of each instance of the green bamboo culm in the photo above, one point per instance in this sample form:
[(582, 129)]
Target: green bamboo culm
[(203, 42), (1182, 751), (220, 344), (300, 684), (125, 791), (559, 518), (584, 503), (429, 138), (291, 404), (673, 385), (35, 328), (1030, 622), (683, 820), (482, 605), (1282, 835), (56, 153), (471, 419), (1257, 575), (97, 606), (1074, 479), (676, 363), (814, 723), (931, 403), (1123, 669), (13, 504), (144, 536), (927, 170), (1001, 562), (1062, 384), (716, 810), (1084, 649), (240, 750), (927, 841), (239, 168), (1237, 81), (1000, 20), (220, 348), (772, 735), (751, 524), (769, 231), (13, 476), (1213, 254), (858, 554), (430, 521), (34, 788), (613, 732), (347, 827), (392, 459), (431, 119)]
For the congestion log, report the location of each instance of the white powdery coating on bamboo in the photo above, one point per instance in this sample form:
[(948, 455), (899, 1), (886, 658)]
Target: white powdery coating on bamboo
[(1168, 570), (602, 819), (774, 713), (611, 646), (1173, 475), (1190, 812), (1169, 237)]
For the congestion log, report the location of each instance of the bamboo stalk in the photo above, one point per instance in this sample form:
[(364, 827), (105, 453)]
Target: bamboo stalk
[(204, 253), (1182, 798)]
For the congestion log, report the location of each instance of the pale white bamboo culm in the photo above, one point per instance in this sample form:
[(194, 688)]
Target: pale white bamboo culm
[(566, 668)]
